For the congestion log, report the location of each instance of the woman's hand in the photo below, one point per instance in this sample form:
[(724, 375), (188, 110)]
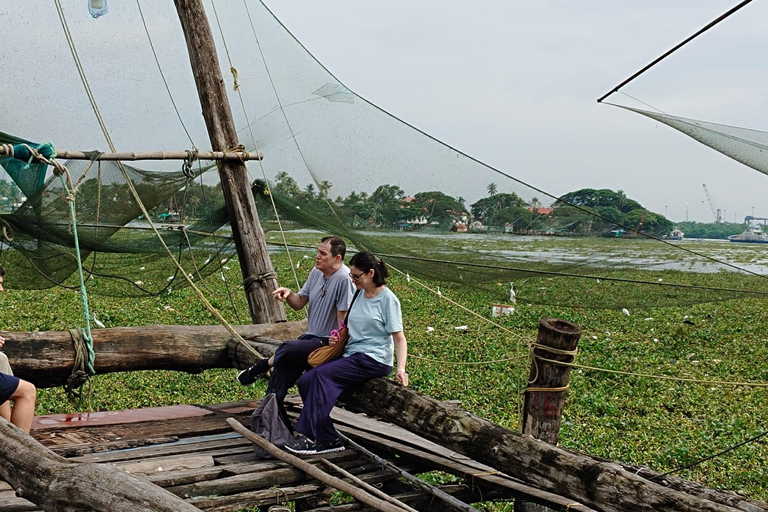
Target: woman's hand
[(402, 377), (2, 341)]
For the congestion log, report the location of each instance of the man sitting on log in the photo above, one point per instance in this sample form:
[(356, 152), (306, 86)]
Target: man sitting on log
[(22, 393), (328, 291)]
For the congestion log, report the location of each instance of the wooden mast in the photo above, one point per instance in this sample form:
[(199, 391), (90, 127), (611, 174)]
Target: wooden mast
[(258, 275)]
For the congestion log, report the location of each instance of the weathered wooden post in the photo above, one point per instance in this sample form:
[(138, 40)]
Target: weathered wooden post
[(547, 386), (258, 275)]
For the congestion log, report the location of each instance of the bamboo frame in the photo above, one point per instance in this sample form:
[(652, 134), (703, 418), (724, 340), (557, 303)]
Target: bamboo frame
[(154, 155)]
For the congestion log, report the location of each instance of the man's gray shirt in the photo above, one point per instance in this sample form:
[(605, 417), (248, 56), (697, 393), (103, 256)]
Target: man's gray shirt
[(326, 297)]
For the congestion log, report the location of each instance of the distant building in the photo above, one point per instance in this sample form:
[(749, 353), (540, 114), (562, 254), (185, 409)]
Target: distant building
[(540, 210)]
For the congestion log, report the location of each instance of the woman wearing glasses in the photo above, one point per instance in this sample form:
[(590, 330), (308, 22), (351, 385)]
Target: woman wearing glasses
[(376, 340)]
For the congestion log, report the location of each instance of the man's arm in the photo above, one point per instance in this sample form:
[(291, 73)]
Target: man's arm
[(294, 300), (340, 316)]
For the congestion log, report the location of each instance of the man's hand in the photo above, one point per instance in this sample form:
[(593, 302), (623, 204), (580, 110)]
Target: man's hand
[(282, 294)]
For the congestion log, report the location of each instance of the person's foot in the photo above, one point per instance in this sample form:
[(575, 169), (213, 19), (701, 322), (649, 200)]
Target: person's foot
[(249, 375), (335, 445), (301, 445)]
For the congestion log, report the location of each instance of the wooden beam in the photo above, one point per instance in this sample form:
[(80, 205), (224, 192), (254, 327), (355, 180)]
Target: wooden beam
[(45, 358), (54, 483), (150, 155), (258, 274), (599, 485)]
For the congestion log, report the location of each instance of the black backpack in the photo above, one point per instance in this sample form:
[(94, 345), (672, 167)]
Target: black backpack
[(271, 422)]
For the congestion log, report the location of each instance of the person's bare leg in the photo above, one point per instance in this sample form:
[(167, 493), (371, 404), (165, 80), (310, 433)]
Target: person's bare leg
[(5, 410), (24, 405)]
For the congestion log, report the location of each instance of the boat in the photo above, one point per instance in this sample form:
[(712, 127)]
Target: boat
[(754, 234), (676, 234)]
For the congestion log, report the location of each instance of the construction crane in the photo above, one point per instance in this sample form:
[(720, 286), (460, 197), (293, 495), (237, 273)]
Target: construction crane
[(715, 211)]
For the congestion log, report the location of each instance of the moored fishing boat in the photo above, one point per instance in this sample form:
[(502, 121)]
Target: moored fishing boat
[(754, 234)]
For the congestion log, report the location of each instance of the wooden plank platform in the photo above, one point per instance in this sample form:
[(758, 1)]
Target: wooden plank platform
[(191, 451)]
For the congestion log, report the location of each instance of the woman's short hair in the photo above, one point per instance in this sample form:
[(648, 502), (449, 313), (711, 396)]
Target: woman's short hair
[(366, 261)]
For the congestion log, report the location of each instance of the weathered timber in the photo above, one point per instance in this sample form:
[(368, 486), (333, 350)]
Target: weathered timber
[(259, 277), (54, 483), (449, 500), (313, 471), (602, 486), (45, 358), (547, 386), (729, 498)]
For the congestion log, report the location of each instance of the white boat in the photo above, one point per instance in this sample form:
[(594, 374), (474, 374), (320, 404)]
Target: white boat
[(676, 234), (754, 234)]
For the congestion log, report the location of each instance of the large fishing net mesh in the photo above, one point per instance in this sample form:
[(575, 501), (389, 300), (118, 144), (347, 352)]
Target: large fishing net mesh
[(334, 163)]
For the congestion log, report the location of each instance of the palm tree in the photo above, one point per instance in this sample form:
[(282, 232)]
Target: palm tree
[(492, 189), (310, 190), (324, 187)]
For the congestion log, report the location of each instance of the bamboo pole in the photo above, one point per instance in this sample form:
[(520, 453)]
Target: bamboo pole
[(368, 487), (451, 502), (314, 472), (547, 386), (150, 155)]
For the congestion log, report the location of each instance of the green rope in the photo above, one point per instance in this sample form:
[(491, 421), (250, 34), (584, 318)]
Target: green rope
[(83, 292)]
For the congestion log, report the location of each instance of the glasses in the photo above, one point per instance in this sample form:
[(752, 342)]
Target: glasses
[(355, 277)]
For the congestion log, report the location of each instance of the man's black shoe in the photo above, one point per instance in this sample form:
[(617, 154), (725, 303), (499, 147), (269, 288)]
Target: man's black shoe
[(249, 376)]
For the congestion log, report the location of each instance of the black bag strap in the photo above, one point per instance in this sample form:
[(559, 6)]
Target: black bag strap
[(346, 317)]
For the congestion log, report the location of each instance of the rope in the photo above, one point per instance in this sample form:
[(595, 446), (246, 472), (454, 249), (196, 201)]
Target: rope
[(7, 230), (62, 172), (186, 167), (253, 138), (162, 75), (7, 150), (535, 361), (659, 377), (83, 358), (261, 278), (135, 194)]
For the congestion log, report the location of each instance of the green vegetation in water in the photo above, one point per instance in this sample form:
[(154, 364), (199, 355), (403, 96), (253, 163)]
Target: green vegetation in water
[(637, 420)]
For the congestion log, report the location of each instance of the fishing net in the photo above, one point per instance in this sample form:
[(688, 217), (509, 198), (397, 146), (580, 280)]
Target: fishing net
[(335, 163), (742, 144)]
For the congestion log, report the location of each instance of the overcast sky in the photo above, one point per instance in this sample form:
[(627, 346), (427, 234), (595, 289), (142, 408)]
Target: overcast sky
[(513, 84)]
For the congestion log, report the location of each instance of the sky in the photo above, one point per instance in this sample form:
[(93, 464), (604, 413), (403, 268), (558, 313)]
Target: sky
[(512, 84)]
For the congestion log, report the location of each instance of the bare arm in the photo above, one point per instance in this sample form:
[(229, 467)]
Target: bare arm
[(294, 300), (401, 351), (340, 315)]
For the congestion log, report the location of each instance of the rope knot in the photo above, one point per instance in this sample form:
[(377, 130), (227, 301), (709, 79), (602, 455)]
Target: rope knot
[(186, 167), (249, 281)]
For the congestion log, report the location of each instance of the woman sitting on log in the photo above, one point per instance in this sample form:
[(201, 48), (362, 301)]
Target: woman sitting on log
[(375, 334)]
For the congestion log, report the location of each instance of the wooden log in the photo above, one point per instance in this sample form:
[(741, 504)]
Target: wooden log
[(729, 498), (45, 358), (54, 483), (547, 386), (599, 485), (259, 277)]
